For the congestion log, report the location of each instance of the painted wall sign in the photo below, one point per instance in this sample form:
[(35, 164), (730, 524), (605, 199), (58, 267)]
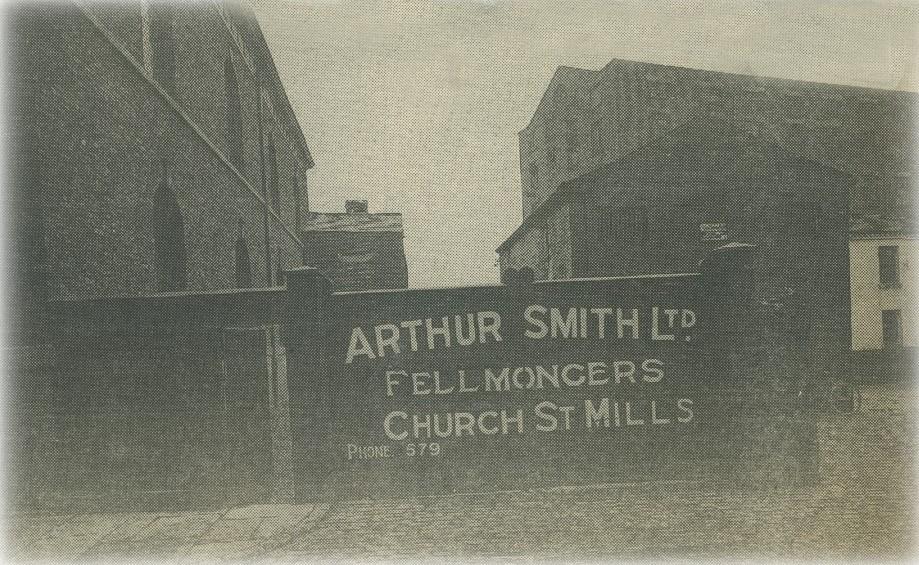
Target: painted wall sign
[(494, 387)]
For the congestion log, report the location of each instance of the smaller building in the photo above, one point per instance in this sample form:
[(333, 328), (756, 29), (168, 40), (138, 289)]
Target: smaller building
[(882, 252), (356, 250)]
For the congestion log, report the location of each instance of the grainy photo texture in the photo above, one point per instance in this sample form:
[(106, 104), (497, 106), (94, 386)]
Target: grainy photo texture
[(465, 280)]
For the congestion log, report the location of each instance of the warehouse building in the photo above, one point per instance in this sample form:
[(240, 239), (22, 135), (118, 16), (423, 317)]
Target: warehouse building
[(643, 169), (588, 118), (665, 206)]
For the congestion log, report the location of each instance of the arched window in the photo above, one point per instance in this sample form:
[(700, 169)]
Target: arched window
[(168, 237), (275, 188), (234, 117), (162, 39), (243, 263)]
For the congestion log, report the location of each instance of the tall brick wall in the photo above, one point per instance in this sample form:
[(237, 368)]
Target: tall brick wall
[(744, 428), (92, 132), (170, 402)]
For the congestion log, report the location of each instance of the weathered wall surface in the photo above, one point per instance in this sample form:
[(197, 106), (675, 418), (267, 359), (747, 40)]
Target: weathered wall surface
[(603, 115), (870, 298), (548, 143), (146, 404), (662, 209), (95, 130), (547, 247)]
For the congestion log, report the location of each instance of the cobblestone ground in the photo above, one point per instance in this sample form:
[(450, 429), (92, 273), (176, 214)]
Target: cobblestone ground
[(862, 506)]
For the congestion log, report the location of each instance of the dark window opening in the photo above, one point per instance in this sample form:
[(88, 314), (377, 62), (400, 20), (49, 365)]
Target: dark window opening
[(234, 117), (889, 265), (280, 278), (275, 188), (243, 264), (162, 40), (297, 203), (892, 328), (168, 238)]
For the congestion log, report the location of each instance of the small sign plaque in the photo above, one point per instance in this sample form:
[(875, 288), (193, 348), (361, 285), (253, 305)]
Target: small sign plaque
[(713, 232)]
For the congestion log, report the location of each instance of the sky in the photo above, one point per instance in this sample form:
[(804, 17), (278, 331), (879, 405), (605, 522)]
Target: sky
[(416, 105)]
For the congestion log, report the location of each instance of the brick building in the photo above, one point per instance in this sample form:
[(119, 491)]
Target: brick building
[(153, 149), (642, 169), (665, 206), (592, 129), (356, 250), (588, 118), (158, 182)]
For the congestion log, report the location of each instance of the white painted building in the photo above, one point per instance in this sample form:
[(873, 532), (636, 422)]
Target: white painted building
[(883, 261)]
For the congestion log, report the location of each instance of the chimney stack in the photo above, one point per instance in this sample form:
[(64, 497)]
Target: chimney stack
[(356, 206)]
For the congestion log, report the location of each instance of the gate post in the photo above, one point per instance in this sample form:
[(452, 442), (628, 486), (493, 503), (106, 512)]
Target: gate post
[(773, 431), (303, 332)]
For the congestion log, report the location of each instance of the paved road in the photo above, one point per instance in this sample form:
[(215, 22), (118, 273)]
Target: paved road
[(861, 507)]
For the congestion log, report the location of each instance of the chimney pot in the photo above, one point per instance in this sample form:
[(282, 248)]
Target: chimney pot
[(356, 206)]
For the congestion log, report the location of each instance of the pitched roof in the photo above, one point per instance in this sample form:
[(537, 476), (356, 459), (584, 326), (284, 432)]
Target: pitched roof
[(353, 222), (711, 148)]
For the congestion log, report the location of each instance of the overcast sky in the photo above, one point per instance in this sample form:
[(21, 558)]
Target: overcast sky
[(416, 106)]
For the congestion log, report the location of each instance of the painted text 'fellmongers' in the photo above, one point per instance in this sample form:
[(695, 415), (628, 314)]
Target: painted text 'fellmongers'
[(542, 322)]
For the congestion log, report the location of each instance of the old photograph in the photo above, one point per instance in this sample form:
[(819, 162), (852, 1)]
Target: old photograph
[(459, 280)]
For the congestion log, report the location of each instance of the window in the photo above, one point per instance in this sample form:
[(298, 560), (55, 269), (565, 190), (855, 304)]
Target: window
[(168, 237), (280, 275), (162, 39), (275, 188), (889, 266), (234, 117), (297, 203), (893, 330), (243, 262)]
